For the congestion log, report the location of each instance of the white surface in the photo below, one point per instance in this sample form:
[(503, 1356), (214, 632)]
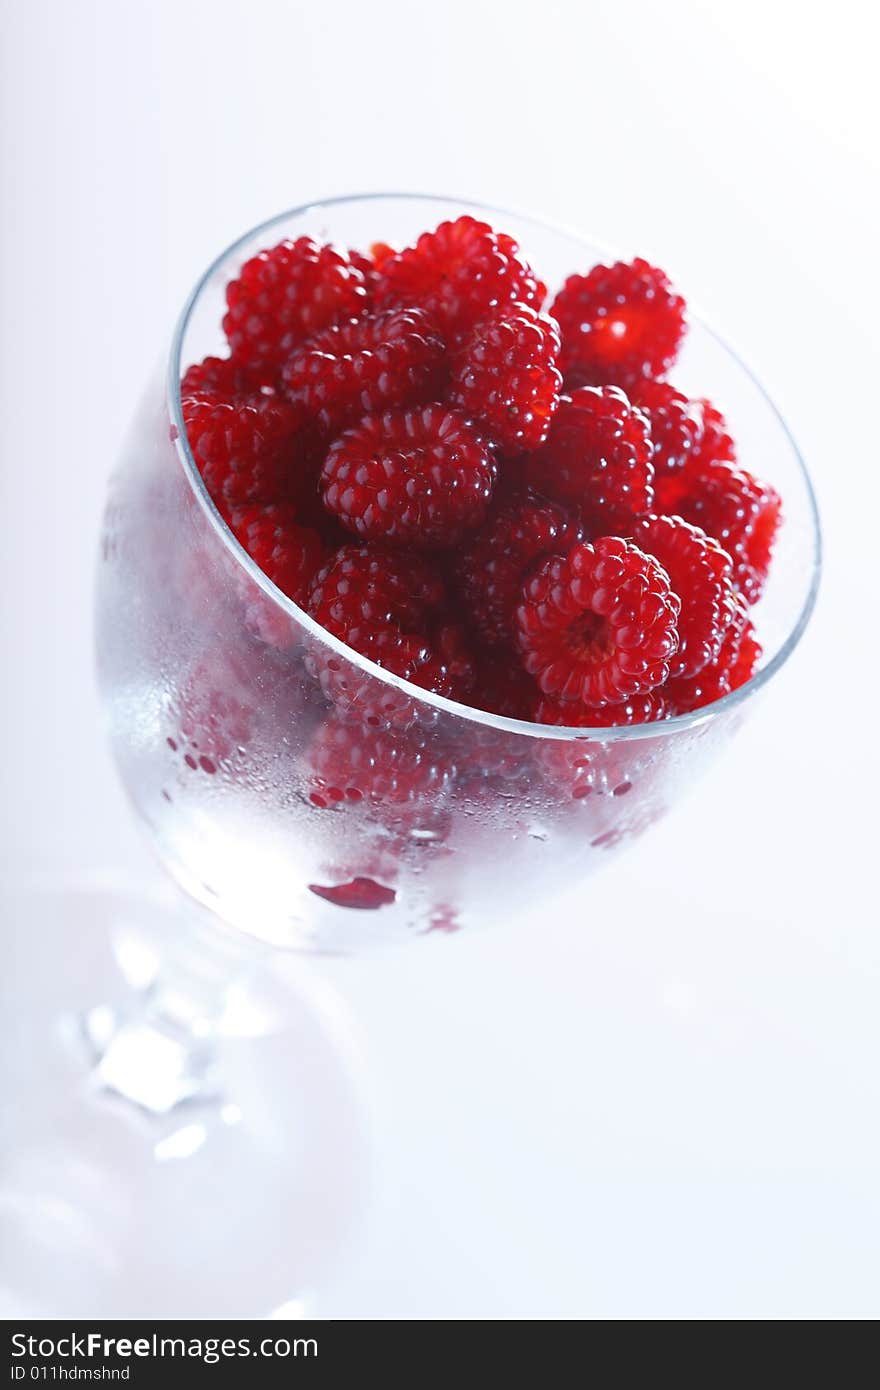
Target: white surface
[(663, 1100), (110, 1209)]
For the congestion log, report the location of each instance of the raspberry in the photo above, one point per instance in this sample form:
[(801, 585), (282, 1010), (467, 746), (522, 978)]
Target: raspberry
[(285, 294), (491, 570), (213, 711), (740, 511), (224, 379), (501, 686), (351, 766), (639, 709), (489, 759), (417, 477), (389, 608), (588, 767), (369, 263), (245, 452), (619, 323), (597, 456), (289, 554), (506, 377), (460, 273), (364, 365), (732, 667), (450, 668), (701, 573), (676, 424), (363, 587), (598, 625), (715, 442)]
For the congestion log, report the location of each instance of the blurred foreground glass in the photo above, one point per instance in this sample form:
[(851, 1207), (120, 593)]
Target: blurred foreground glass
[(230, 755)]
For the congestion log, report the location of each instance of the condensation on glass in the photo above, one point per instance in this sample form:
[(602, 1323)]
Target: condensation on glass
[(214, 713)]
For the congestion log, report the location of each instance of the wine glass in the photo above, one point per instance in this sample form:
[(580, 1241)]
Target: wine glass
[(336, 825)]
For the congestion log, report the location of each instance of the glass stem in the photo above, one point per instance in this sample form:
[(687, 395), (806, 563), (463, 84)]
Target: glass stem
[(157, 1047)]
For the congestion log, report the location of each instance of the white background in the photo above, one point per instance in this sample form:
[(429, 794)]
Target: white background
[(661, 1099)]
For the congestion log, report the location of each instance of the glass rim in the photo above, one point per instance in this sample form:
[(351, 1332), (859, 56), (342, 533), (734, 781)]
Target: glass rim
[(661, 728)]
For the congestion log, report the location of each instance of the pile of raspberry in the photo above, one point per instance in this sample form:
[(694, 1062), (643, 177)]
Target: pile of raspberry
[(506, 504)]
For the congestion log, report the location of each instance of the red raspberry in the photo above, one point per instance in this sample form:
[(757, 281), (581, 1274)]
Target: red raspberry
[(363, 586), (501, 686), (386, 606), (639, 709), (363, 261), (450, 669), (416, 477), (224, 379), (489, 758), (676, 425), (619, 323), (349, 765), (745, 663), (701, 573), (597, 456), (460, 273), (506, 377), (364, 365), (598, 625), (490, 571), (733, 666), (715, 442), (740, 511), (369, 263), (588, 767), (285, 294), (287, 553), (246, 452), (212, 711)]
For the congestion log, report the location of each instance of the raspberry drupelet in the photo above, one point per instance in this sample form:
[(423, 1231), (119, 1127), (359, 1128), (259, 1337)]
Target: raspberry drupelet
[(620, 324), (506, 377), (284, 295), (460, 273), (597, 457), (365, 365), (598, 625), (420, 477)]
